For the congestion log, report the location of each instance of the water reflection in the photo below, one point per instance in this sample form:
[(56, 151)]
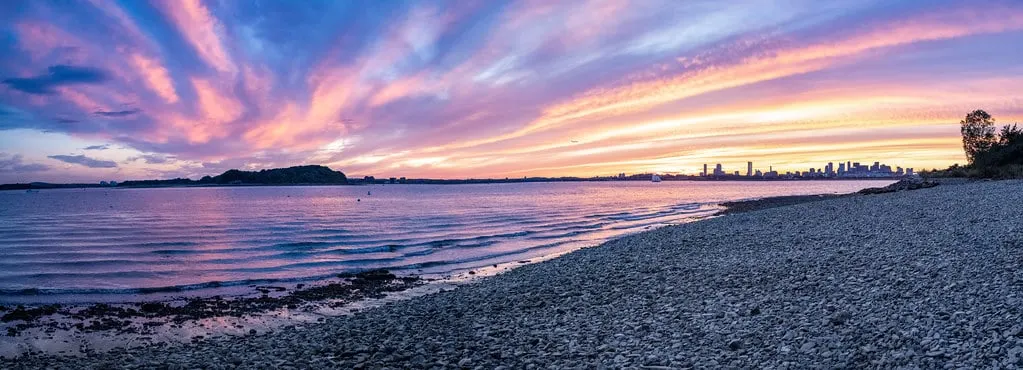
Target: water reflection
[(76, 244)]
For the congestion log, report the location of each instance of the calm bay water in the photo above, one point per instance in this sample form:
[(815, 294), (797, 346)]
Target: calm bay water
[(82, 244)]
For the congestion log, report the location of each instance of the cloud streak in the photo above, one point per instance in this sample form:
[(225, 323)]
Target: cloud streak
[(119, 113), (56, 76), (15, 164), (84, 161)]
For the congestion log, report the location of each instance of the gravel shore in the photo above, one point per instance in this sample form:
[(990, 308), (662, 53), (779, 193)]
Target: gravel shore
[(925, 278)]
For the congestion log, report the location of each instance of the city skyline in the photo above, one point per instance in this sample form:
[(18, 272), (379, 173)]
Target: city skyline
[(849, 167), (116, 90)]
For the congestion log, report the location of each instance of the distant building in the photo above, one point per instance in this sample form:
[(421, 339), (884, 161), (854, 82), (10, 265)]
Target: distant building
[(718, 171), (749, 169), (704, 170)]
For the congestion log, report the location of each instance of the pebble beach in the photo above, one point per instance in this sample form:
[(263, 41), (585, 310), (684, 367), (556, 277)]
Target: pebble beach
[(925, 278)]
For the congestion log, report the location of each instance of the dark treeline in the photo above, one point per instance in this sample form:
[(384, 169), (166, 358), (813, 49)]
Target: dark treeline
[(46, 185), (991, 152), (311, 174)]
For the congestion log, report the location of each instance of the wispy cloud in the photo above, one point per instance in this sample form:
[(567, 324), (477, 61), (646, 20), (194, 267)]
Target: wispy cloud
[(151, 159), (14, 163), (56, 76), (84, 161), (119, 113)]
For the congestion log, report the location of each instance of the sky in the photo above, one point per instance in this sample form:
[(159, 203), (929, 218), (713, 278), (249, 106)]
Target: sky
[(96, 90)]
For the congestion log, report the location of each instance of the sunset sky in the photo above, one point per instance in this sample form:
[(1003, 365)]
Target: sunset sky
[(115, 90)]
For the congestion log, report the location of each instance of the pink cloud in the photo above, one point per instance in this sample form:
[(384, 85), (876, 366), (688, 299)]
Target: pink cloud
[(780, 63), (40, 39), (156, 77), (202, 30), (215, 106)]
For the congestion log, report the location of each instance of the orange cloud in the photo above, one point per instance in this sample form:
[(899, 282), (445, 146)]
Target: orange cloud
[(787, 62), (395, 90)]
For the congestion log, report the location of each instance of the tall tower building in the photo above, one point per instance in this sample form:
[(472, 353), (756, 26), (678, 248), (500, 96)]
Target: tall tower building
[(704, 169), (749, 169)]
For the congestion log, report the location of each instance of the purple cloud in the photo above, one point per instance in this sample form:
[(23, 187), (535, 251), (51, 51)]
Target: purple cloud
[(151, 159), (119, 113), (58, 75), (14, 163), (84, 161)]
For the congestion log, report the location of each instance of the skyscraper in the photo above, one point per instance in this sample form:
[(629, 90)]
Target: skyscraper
[(704, 169), (749, 169)]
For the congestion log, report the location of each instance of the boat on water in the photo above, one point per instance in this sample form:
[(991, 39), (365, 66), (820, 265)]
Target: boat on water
[(655, 178), (31, 191)]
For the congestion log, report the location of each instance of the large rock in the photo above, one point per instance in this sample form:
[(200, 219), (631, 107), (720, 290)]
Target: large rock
[(909, 183)]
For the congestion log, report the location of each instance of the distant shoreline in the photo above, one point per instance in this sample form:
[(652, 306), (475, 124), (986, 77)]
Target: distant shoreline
[(48, 186)]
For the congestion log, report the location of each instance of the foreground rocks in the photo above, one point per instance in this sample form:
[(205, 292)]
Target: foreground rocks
[(911, 183), (145, 317), (926, 279), (741, 206)]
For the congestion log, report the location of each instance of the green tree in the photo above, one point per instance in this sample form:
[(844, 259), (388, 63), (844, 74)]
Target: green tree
[(978, 129)]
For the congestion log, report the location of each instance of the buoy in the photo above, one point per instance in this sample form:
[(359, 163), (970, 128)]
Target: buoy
[(358, 200)]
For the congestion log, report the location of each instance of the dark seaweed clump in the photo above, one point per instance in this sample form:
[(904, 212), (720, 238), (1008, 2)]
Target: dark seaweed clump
[(98, 317)]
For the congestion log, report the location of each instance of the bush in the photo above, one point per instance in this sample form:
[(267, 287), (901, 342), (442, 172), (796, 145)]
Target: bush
[(991, 156)]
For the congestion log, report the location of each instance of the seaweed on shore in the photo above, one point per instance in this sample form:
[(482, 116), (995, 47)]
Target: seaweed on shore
[(100, 317), (30, 314)]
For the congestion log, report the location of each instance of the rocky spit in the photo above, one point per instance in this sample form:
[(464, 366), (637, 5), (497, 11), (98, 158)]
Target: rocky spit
[(931, 278)]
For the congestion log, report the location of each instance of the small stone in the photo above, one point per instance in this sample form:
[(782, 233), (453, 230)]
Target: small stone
[(806, 347), (840, 318), (735, 345)]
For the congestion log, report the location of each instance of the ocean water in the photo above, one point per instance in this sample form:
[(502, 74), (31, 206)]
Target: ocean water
[(87, 245)]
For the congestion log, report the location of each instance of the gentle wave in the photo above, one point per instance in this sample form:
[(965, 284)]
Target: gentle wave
[(71, 244)]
